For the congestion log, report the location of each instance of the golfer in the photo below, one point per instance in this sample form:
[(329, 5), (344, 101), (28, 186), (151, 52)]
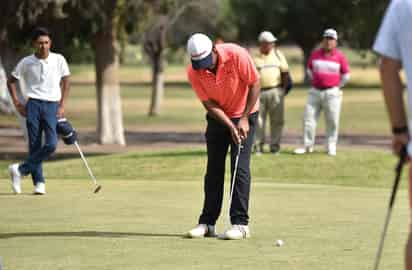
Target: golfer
[(329, 72), (46, 77), (393, 43), (227, 83), (273, 69)]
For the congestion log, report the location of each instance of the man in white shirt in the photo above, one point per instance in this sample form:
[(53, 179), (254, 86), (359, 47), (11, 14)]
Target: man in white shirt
[(46, 77), (393, 43)]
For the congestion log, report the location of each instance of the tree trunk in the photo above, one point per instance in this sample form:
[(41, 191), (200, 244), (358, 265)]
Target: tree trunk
[(157, 84), (9, 59), (6, 106), (109, 108)]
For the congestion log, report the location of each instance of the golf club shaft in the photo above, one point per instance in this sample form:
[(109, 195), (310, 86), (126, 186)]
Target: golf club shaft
[(85, 163), (233, 181), (402, 159)]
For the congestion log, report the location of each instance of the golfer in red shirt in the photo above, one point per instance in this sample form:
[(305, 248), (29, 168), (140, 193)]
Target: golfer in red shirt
[(227, 83)]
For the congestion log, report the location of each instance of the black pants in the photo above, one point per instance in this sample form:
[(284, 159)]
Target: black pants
[(218, 139)]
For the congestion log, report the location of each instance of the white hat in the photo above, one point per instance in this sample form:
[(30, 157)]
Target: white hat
[(331, 33), (199, 47), (266, 36)]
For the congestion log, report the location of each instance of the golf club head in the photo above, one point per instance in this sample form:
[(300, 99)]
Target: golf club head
[(97, 189)]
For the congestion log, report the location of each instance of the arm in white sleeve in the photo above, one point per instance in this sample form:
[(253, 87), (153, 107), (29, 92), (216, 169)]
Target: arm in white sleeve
[(344, 79)]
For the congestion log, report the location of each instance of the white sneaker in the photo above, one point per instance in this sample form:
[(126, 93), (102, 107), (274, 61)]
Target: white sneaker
[(202, 230), (331, 150), (15, 176), (301, 151), (40, 189), (236, 232)]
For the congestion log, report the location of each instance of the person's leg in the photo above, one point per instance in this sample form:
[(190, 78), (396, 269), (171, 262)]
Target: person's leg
[(48, 122), (217, 141), (311, 116), (277, 121), (408, 246), (241, 191), (408, 253), (261, 130), (332, 104), (34, 132)]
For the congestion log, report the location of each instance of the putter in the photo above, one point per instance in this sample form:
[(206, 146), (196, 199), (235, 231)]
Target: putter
[(398, 170), (239, 148), (97, 187)]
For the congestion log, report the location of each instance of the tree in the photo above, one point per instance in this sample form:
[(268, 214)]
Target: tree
[(105, 23), (302, 21), (164, 17), (17, 19)]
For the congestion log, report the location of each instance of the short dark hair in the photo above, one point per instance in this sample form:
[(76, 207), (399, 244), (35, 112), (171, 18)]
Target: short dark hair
[(40, 31)]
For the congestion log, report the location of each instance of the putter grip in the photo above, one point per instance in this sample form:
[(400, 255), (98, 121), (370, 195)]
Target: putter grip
[(403, 155)]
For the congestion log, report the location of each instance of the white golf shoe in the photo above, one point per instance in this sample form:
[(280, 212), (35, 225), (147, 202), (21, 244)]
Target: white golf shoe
[(40, 189), (15, 176), (202, 230), (301, 151), (236, 232), (331, 150)]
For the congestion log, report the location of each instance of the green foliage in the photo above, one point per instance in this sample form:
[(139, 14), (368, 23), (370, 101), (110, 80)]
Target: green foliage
[(303, 21)]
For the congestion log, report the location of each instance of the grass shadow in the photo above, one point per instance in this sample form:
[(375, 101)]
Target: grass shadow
[(193, 153), (96, 234)]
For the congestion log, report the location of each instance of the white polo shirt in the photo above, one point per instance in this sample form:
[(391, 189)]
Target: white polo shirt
[(394, 40), (42, 77)]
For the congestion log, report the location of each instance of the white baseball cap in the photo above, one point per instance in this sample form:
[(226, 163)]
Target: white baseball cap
[(331, 33), (199, 47), (266, 36)]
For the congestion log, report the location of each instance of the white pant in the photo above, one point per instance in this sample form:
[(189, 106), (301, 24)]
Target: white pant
[(330, 101)]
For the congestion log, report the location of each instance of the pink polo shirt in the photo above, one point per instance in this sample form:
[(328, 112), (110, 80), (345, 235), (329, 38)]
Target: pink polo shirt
[(327, 69), (235, 73)]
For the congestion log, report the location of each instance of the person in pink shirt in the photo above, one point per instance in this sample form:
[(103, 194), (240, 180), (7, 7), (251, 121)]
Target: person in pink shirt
[(329, 72), (226, 81)]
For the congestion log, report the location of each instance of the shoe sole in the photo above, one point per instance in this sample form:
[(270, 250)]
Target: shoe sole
[(223, 237), (188, 235)]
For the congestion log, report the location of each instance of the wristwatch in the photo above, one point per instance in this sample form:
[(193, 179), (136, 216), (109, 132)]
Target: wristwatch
[(400, 130)]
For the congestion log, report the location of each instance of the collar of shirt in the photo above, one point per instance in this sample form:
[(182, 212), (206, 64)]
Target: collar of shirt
[(223, 58), (332, 52)]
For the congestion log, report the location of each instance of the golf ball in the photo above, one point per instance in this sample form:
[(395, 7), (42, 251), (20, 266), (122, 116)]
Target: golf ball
[(279, 243)]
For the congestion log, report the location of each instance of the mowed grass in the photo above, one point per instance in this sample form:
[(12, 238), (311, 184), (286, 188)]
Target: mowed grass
[(329, 212), (352, 167)]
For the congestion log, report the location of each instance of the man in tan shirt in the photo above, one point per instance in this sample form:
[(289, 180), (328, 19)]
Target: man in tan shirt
[(273, 69)]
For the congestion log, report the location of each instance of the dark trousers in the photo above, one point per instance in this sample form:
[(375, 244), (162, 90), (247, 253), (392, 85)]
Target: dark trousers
[(218, 139), (41, 119)]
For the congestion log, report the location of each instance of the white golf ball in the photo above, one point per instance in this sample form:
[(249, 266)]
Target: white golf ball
[(279, 243)]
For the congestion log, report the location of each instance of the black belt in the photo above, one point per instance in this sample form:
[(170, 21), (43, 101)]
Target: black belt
[(324, 88), (269, 88)]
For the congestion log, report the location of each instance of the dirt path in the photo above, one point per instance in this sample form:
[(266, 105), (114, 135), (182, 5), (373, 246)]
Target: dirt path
[(12, 144)]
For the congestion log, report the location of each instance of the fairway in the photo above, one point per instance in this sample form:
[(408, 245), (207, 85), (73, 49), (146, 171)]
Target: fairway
[(137, 220), (138, 225)]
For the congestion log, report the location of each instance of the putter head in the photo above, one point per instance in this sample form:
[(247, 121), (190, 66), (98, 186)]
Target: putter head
[(97, 189)]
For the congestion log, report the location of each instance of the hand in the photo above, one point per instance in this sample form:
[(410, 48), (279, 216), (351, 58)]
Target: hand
[(399, 141), (243, 127), (60, 112), (235, 135), (21, 109)]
